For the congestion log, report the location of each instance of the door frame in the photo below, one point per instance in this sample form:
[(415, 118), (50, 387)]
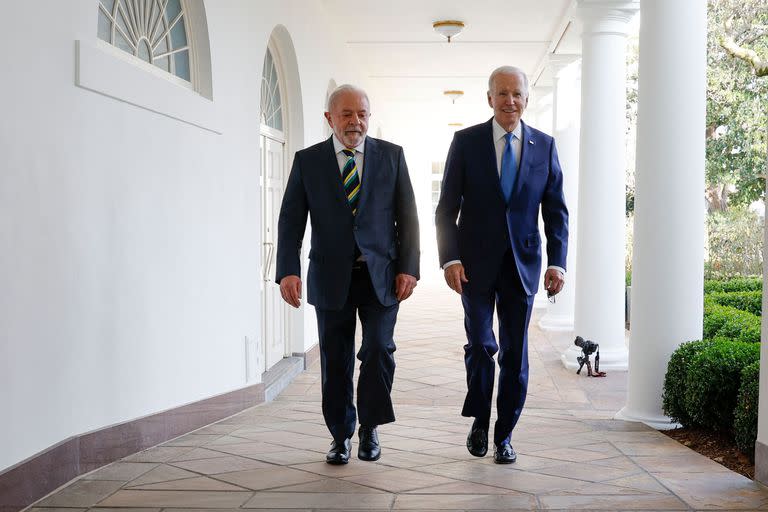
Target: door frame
[(283, 138)]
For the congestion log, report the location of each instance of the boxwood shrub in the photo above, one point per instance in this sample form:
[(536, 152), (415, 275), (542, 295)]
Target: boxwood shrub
[(751, 302), (745, 415), (713, 379), (743, 284), (729, 322), (673, 396)]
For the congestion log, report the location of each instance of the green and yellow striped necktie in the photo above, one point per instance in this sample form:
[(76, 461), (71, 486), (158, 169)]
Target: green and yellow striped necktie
[(351, 180)]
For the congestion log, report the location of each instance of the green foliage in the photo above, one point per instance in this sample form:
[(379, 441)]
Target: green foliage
[(745, 415), (744, 284), (713, 380), (715, 316), (673, 396), (729, 322), (736, 102), (751, 302), (735, 244)]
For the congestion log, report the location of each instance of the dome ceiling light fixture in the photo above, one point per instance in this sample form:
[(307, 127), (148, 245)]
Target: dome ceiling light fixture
[(448, 28), (456, 125), (454, 95)]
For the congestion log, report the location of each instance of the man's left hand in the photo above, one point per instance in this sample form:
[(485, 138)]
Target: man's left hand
[(553, 281), (404, 285)]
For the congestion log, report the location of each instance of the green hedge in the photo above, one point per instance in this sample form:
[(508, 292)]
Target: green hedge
[(713, 380), (745, 415), (729, 322), (714, 383), (673, 397), (742, 284), (752, 302)]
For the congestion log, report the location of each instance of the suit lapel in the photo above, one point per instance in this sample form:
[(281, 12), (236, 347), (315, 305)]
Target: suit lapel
[(370, 167), (333, 174), (526, 148)]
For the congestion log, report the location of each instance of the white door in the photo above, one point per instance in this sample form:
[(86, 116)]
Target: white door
[(274, 310)]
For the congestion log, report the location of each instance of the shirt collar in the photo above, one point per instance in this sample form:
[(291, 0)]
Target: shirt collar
[(499, 132), (338, 147)]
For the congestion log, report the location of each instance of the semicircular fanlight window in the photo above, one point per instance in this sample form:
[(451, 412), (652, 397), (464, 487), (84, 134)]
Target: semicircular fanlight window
[(151, 30)]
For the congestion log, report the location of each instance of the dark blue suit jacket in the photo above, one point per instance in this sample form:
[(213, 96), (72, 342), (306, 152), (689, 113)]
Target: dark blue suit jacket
[(486, 228), (386, 227)]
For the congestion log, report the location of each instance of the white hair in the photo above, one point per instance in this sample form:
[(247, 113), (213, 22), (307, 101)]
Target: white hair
[(342, 89), (508, 70)]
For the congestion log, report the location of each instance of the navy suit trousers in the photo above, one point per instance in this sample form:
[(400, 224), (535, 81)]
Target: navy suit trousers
[(376, 355), (514, 307)]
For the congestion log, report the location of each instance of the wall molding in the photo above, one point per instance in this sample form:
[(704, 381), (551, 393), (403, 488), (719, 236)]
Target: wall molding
[(106, 70), (30, 480)]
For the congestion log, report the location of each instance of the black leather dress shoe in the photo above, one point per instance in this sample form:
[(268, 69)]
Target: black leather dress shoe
[(339, 452), (369, 448), (504, 453), (477, 440)]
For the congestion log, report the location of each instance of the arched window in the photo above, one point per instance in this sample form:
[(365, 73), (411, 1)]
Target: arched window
[(271, 100), (151, 30)]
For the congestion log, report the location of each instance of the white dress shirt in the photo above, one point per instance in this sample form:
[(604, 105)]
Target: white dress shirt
[(500, 143), (341, 158)]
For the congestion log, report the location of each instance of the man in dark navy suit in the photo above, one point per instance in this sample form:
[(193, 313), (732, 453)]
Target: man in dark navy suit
[(364, 260), (497, 176)]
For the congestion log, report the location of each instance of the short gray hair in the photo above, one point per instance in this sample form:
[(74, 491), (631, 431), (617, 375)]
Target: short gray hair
[(342, 89), (508, 70)]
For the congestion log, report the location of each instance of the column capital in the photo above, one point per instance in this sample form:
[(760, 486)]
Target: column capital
[(606, 16), (558, 62)]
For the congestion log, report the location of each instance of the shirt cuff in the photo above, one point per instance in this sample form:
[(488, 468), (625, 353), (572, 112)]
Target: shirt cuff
[(559, 269), (452, 262)]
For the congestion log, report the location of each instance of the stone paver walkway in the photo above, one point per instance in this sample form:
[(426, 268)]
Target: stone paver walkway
[(571, 454)]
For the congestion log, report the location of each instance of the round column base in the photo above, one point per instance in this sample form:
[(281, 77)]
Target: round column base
[(653, 421), (556, 323), (614, 360)]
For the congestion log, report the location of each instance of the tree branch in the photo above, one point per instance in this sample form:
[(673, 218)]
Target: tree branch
[(757, 36), (750, 56)]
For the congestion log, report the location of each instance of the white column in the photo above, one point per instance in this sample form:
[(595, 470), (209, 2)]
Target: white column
[(599, 311), (761, 443), (565, 128), (539, 115), (668, 258)]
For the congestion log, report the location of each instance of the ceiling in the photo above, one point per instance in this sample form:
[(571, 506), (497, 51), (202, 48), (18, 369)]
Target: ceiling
[(406, 65)]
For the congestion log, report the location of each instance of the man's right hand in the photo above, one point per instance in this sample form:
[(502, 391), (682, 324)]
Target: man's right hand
[(454, 276), (290, 289)]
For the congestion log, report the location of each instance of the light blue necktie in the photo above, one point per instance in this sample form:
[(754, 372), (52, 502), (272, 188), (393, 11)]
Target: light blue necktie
[(508, 168)]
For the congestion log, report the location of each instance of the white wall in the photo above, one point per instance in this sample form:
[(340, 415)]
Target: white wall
[(129, 241)]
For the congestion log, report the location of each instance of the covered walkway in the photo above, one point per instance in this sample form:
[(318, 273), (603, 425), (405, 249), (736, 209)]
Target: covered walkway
[(572, 454)]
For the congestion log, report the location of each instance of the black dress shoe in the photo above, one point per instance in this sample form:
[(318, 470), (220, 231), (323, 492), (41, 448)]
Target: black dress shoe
[(368, 448), (504, 453), (477, 440), (339, 452)]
